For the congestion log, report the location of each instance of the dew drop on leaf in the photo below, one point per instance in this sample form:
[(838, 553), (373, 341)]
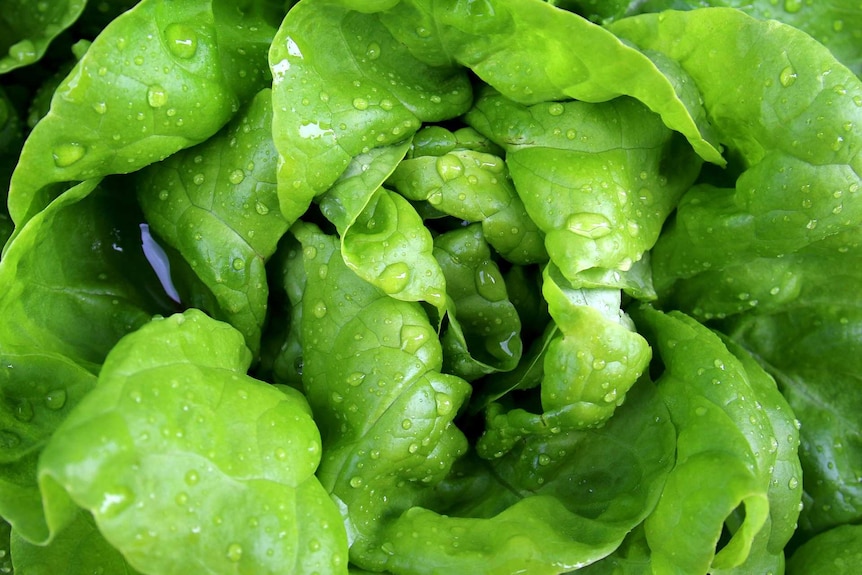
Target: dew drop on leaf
[(67, 154), (182, 40)]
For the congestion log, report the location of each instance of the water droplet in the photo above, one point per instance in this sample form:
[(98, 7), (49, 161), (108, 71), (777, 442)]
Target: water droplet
[(544, 459), (319, 309), (182, 499), (787, 76), (56, 399), (100, 108), (373, 51), (309, 252), (360, 104), (355, 379), (156, 96), (556, 109), (115, 501), (182, 40), (599, 364), (413, 337), (281, 454), (406, 424), (792, 6), (394, 278), (238, 264), (793, 483), (444, 403), (261, 208), (236, 177), (488, 282), (192, 477), (67, 154), (589, 225), (199, 179), (449, 167), (234, 552), (356, 481)]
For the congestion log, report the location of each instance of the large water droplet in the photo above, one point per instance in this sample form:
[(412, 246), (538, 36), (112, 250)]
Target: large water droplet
[(182, 40), (413, 337), (444, 403), (449, 167), (319, 309), (373, 51), (589, 225), (56, 399), (394, 278), (67, 154)]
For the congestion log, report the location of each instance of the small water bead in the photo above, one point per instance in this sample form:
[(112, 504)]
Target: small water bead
[(182, 40), (787, 76), (444, 403), (319, 309), (238, 264), (373, 51), (192, 478), (792, 6), (406, 424), (24, 411), (199, 179), (100, 108), (360, 104), (355, 379), (544, 459), (449, 167), (556, 109), (234, 552), (67, 154)]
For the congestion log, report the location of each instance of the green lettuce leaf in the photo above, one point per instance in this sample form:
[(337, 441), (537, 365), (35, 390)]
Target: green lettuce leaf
[(571, 163), (358, 88), (74, 281), (382, 236), (153, 82), (737, 466), (484, 331), (798, 167), (470, 184), (216, 204), (28, 28), (836, 552), (187, 464), (80, 549)]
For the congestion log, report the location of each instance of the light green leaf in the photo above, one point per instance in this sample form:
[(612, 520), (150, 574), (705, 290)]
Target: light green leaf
[(187, 464)]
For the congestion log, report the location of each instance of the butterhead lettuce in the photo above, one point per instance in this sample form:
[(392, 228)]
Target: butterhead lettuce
[(421, 287)]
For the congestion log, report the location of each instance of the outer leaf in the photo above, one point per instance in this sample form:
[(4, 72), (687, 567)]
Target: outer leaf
[(80, 549), (73, 281), (835, 24), (187, 464), (837, 552), (151, 84), (813, 353), (507, 43), (728, 453), (800, 164), (216, 204), (27, 28), (358, 88)]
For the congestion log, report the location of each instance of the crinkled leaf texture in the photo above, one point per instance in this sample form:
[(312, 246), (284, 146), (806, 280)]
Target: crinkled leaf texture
[(216, 205), (189, 465), (371, 371), (72, 283), (153, 82), (737, 465)]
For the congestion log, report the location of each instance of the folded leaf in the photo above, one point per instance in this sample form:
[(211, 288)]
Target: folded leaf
[(187, 464), (736, 454), (28, 28), (134, 98), (216, 204)]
